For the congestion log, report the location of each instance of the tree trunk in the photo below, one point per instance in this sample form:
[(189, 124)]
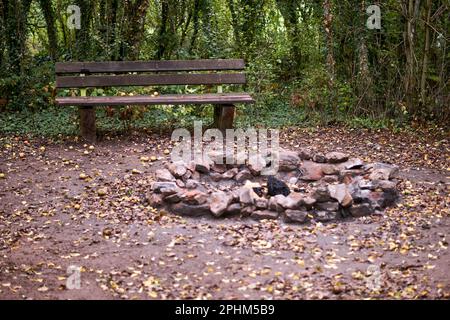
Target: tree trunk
[(235, 24), (196, 25), (135, 13), (3, 8), (83, 35), (426, 52), (410, 10), (330, 62), (16, 32), (364, 78), (49, 16), (288, 10), (163, 29)]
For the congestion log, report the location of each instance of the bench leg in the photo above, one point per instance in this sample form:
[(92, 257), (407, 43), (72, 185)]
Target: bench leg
[(224, 116), (87, 123)]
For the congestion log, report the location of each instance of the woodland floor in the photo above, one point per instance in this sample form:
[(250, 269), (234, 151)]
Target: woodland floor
[(51, 219)]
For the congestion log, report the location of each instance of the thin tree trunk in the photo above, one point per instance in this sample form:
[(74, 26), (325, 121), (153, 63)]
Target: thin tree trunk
[(163, 29), (364, 77), (83, 35), (328, 24), (410, 9), (3, 7), (196, 25), (16, 32), (135, 21), (49, 16), (288, 10), (425, 52), (62, 24), (235, 24)]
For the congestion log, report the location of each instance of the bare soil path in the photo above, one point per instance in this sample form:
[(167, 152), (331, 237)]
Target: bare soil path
[(51, 219)]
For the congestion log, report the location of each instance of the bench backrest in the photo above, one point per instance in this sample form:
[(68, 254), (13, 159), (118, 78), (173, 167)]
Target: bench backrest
[(138, 73)]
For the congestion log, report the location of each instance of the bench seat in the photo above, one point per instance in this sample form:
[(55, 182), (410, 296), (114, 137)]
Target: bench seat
[(154, 74), (172, 99)]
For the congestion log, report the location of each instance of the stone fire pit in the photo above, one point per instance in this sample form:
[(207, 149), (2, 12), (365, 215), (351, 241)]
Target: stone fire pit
[(323, 187)]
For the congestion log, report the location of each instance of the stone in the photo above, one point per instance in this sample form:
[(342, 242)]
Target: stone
[(234, 208), (327, 206), (336, 157), (293, 201), (288, 160), (386, 185), (382, 199), (359, 210), (164, 175), (219, 203), (187, 175), (264, 214), (247, 196), (319, 158), (243, 175), (259, 191), (230, 173), (261, 203), (177, 168), (252, 185), (293, 180), (247, 210), (305, 154), (347, 176), (309, 202), (256, 164), (174, 198), (192, 184), (215, 176), (155, 200), (367, 184), (382, 171), (352, 163), (274, 203), (311, 171), (380, 174), (202, 167), (164, 187), (219, 168), (330, 179), (195, 175), (241, 157), (195, 197), (330, 169), (180, 183), (341, 193), (298, 216), (275, 187), (190, 210), (325, 216), (216, 156), (321, 194)]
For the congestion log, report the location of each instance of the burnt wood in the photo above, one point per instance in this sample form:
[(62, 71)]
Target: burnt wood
[(149, 66), (223, 98)]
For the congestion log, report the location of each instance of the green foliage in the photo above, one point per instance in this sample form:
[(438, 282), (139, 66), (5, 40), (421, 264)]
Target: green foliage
[(283, 42)]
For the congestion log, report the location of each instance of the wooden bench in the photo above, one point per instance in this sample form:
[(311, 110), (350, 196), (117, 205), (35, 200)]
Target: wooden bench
[(152, 73)]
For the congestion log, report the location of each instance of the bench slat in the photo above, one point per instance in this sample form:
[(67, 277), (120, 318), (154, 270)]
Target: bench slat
[(224, 98), (146, 80), (149, 66)]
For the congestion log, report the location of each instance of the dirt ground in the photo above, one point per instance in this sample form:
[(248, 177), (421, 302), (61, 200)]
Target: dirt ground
[(51, 219)]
